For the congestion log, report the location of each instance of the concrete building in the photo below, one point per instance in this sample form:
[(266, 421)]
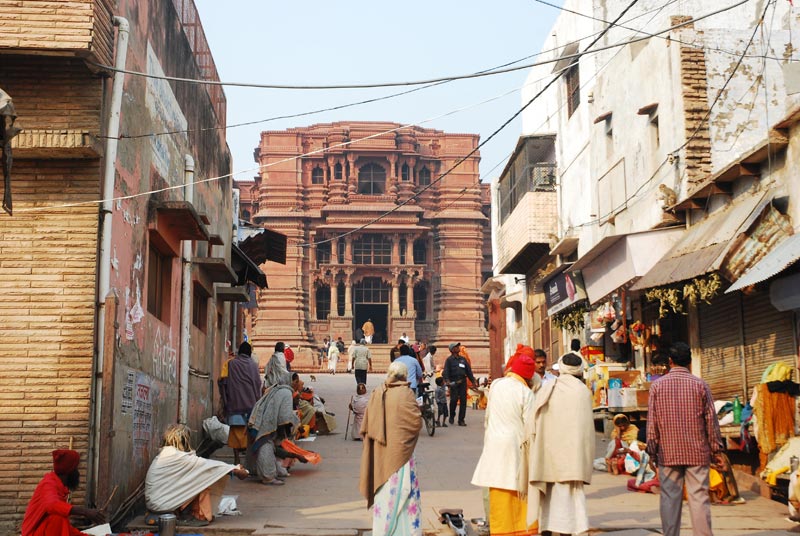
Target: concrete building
[(670, 127), (116, 315), (373, 234)]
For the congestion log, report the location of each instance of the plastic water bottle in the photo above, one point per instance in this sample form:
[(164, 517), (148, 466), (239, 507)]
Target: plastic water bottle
[(737, 411)]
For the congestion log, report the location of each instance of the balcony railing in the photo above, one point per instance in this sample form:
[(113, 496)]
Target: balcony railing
[(190, 19), (538, 177)]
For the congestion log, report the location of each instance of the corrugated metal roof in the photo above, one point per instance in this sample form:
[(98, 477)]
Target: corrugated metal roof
[(780, 258), (703, 247)]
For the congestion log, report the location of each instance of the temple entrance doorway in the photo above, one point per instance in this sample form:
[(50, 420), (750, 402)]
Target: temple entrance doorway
[(372, 303)]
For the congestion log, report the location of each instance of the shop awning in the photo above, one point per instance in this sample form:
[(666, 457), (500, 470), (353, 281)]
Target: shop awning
[(780, 258), (246, 270), (617, 261), (704, 246), (265, 246)]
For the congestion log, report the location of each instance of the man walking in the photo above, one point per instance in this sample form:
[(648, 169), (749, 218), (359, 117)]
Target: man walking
[(682, 438), (240, 389), (362, 361), (501, 462), (414, 368), (455, 373)]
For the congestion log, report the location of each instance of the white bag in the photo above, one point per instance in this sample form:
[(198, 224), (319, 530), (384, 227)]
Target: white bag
[(228, 507), (216, 430)]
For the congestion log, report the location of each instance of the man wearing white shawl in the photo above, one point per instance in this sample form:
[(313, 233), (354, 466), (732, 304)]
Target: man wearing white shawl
[(180, 481), (561, 443)]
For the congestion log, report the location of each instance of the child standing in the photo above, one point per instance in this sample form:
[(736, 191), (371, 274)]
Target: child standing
[(441, 401)]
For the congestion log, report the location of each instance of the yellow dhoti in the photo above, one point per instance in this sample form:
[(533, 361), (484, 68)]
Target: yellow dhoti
[(507, 514)]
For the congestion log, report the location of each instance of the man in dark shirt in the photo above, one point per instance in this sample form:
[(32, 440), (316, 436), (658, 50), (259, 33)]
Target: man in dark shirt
[(455, 373), (394, 353), (683, 439)]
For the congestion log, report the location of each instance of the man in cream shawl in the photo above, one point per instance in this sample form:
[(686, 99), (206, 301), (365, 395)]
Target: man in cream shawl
[(180, 481), (561, 439), (389, 482), (502, 467)]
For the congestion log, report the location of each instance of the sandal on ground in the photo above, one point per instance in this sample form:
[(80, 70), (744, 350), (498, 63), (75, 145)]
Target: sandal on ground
[(192, 522), (272, 482)]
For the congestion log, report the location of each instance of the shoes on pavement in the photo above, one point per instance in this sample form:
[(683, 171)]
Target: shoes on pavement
[(272, 482), (452, 421), (462, 423), (192, 522), (444, 425)]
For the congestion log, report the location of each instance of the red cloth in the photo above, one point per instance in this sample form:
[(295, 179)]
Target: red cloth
[(48, 510), (65, 461), (524, 366), (682, 426), (288, 353)]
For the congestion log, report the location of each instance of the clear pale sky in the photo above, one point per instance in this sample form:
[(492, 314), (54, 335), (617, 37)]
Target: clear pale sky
[(373, 41)]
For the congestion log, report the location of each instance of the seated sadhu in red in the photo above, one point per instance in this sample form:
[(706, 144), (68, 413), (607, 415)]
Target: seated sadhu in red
[(49, 511)]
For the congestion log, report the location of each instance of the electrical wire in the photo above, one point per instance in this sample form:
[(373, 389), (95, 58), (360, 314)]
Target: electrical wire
[(414, 82), (362, 102)]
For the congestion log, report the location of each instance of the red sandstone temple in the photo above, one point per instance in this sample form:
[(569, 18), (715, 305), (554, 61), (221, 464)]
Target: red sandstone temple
[(416, 271)]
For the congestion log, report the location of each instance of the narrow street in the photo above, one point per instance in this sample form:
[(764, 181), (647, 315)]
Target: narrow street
[(323, 500)]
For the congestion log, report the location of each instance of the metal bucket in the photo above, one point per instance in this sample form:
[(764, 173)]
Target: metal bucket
[(167, 524)]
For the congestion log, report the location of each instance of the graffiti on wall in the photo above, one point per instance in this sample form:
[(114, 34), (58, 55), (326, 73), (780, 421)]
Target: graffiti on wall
[(165, 357), (142, 415)]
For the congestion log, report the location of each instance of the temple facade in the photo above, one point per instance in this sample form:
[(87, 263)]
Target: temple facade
[(372, 234)]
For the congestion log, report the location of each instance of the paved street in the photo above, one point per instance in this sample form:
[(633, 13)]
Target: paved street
[(324, 499)]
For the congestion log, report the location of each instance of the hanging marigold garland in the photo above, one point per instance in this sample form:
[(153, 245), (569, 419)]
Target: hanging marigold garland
[(671, 298)]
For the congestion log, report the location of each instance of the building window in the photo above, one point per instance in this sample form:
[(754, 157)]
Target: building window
[(420, 251), (573, 80), (403, 246), (317, 176), (337, 172), (159, 283), (532, 169), (371, 179), (200, 307), (424, 176), (405, 172), (421, 300), (340, 293), (323, 253), (372, 290), (323, 296), (372, 249)]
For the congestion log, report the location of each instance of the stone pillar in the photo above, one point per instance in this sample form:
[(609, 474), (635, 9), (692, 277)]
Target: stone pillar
[(334, 298), (409, 249), (395, 249), (392, 166), (396, 294), (335, 251), (312, 255), (348, 249), (348, 293), (410, 297)]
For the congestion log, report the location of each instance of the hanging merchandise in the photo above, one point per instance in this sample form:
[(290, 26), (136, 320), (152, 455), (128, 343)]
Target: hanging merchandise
[(606, 314), (637, 334)]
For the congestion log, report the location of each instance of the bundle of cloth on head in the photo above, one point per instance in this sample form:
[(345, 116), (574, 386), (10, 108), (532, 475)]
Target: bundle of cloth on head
[(570, 364), (522, 363)]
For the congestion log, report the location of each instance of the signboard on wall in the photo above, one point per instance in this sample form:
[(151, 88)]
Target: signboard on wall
[(564, 290)]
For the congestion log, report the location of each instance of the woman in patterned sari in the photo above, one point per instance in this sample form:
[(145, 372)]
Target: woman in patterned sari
[(389, 482)]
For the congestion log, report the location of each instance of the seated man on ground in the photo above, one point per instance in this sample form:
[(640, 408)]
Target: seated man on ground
[(181, 482), (623, 435), (48, 511), (304, 402)]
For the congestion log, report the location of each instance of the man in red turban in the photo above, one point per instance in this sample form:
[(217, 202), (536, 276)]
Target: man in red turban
[(48, 511), (501, 467)]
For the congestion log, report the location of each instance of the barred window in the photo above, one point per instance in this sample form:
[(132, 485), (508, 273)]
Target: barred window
[(424, 176), (573, 79), (317, 176), (372, 290), (372, 249), (371, 179), (405, 172), (323, 295)]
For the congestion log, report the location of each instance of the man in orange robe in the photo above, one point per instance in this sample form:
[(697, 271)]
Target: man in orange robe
[(48, 510)]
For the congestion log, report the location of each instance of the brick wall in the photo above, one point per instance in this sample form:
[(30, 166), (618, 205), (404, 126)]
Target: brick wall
[(65, 25), (694, 82), (47, 274)]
